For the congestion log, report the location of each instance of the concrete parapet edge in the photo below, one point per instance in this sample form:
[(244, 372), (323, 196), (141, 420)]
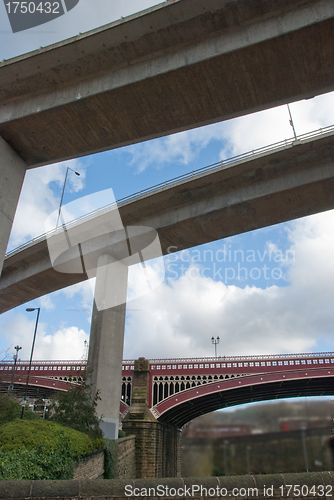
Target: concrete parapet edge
[(111, 488)]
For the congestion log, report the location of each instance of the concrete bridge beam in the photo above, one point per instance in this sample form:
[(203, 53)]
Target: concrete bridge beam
[(292, 182), (175, 66), (12, 172)]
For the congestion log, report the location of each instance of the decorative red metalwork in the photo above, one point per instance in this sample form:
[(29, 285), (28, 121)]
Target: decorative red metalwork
[(176, 381)]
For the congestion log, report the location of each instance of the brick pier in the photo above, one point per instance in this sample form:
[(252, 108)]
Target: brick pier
[(158, 445)]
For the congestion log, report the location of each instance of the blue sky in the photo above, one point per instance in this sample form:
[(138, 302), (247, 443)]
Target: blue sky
[(271, 293)]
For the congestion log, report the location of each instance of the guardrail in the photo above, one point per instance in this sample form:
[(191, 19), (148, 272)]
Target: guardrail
[(244, 358), (221, 165), (191, 360)]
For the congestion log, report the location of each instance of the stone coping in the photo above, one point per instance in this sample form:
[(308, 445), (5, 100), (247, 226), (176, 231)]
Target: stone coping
[(114, 488)]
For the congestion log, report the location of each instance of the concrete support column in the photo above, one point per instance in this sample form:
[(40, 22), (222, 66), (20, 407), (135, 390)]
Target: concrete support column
[(12, 171), (106, 341)]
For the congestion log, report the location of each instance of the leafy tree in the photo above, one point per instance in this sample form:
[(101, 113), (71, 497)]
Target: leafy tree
[(76, 408), (10, 409)]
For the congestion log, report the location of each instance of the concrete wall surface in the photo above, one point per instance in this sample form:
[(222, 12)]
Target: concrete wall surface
[(310, 485)]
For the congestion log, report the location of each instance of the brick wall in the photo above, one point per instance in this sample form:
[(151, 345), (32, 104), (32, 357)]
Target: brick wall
[(126, 462), (158, 448), (90, 467), (283, 486)]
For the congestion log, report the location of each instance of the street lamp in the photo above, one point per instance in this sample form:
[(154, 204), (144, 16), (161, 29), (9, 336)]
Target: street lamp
[(11, 386), (225, 457), (30, 309), (291, 122), (248, 449), (215, 342), (62, 194), (303, 428)]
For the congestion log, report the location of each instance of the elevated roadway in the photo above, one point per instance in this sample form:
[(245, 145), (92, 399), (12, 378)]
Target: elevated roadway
[(172, 67), (291, 180), (178, 65)]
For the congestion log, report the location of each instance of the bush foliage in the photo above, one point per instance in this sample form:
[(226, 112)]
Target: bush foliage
[(110, 459), (76, 408), (38, 463), (40, 449), (11, 409), (31, 434), (34, 448)]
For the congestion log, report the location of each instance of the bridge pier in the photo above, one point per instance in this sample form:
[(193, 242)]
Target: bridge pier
[(106, 342), (12, 171), (157, 445)]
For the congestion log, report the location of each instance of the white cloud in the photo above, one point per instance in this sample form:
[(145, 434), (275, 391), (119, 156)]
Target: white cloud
[(267, 127), (181, 148), (47, 303), (80, 297), (236, 136), (66, 343), (37, 199), (179, 318)]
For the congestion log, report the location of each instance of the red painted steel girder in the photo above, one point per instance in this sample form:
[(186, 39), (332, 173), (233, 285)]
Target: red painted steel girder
[(191, 403)]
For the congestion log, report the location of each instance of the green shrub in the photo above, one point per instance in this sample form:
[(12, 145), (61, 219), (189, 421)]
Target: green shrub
[(39, 463), (40, 449), (11, 409), (31, 434), (110, 458)]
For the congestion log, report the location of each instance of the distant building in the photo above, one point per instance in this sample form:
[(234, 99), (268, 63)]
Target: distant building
[(297, 423), (217, 431)]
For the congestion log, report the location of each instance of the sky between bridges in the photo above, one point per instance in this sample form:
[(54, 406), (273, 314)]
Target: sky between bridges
[(267, 291)]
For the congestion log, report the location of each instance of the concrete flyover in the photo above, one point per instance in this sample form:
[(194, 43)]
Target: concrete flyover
[(175, 66), (295, 180)]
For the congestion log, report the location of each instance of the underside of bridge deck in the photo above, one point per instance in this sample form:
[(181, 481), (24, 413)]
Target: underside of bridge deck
[(175, 66), (181, 414), (292, 182)]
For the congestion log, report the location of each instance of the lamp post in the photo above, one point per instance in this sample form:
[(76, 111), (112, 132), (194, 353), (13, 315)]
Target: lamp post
[(248, 448), (30, 309), (225, 457), (62, 194), (303, 428), (86, 349), (11, 385), (215, 342), (291, 122)]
